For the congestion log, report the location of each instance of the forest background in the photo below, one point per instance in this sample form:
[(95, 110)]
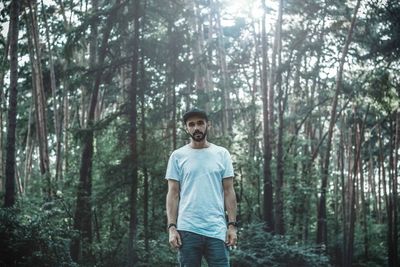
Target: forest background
[(304, 94)]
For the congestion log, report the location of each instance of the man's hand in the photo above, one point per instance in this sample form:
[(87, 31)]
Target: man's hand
[(174, 238), (231, 236)]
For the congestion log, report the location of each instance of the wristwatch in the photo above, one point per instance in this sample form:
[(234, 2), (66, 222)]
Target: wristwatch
[(171, 225), (235, 224)]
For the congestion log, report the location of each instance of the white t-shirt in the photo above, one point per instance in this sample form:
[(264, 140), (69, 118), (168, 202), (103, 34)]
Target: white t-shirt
[(200, 173)]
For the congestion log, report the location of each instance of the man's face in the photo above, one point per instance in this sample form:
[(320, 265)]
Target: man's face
[(197, 128)]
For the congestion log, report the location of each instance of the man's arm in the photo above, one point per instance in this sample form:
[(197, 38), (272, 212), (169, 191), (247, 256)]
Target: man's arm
[(230, 205), (172, 212)]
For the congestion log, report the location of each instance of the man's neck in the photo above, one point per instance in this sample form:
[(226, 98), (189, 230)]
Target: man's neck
[(198, 145)]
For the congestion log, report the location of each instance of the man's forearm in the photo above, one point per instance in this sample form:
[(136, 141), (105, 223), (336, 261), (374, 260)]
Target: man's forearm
[(172, 207), (230, 204)]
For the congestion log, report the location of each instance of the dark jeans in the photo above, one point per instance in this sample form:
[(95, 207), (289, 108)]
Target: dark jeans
[(195, 246)]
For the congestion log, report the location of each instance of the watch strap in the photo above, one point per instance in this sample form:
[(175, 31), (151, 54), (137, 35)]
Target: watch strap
[(171, 225), (235, 224)]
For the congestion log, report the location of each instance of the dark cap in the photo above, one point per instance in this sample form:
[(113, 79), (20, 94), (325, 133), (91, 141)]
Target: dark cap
[(194, 112)]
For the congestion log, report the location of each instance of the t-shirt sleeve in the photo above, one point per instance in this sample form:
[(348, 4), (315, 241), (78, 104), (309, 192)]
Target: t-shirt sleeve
[(228, 170), (172, 169)]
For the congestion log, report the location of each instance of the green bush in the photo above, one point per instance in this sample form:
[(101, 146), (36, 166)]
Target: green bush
[(259, 248), (33, 239), (160, 252)]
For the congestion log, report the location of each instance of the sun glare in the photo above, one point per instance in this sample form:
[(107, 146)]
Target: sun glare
[(249, 10)]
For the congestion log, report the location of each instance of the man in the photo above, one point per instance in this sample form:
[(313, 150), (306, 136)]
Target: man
[(200, 185)]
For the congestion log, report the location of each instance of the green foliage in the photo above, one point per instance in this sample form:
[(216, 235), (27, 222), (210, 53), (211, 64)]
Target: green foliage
[(259, 248), (376, 249), (160, 252), (34, 238)]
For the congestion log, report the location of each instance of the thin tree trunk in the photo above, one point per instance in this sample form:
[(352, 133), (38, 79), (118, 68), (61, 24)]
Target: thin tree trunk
[(19, 183), (364, 207), (322, 223), (364, 211), (170, 80), (279, 212), (2, 107), (80, 248), (357, 169), (395, 233), (372, 184), (393, 198), (28, 150), (202, 74), (66, 116), (133, 89), (253, 125), (40, 100), (57, 125), (226, 103), (382, 167), (342, 157), (144, 155), (9, 198), (267, 187)]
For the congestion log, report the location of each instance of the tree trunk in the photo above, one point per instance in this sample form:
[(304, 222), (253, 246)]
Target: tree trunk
[(364, 206), (133, 89), (279, 212), (372, 184), (28, 150), (357, 169), (9, 198), (170, 80), (144, 155), (201, 72), (2, 108), (80, 248), (342, 157), (321, 223), (57, 124), (267, 187), (393, 198), (64, 110), (66, 126), (226, 103), (382, 167), (40, 99)]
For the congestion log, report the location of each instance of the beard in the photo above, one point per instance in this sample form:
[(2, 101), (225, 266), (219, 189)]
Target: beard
[(198, 136)]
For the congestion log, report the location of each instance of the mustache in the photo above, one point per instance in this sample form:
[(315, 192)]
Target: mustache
[(197, 132)]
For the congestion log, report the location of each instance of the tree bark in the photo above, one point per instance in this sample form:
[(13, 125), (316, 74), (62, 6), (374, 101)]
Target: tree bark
[(267, 186), (322, 223), (342, 157), (9, 197), (133, 90), (80, 248), (2, 108), (357, 169), (202, 75), (28, 151), (57, 122), (170, 80), (382, 167), (144, 155), (279, 203), (40, 98), (393, 198), (226, 102)]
